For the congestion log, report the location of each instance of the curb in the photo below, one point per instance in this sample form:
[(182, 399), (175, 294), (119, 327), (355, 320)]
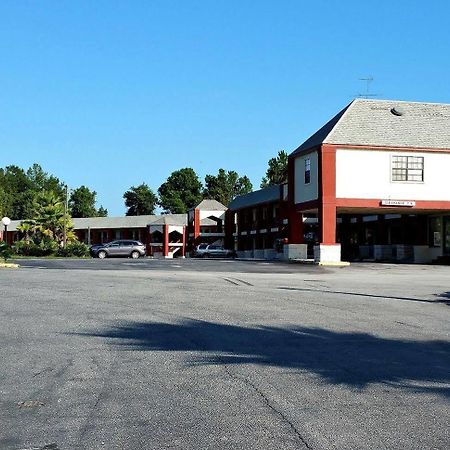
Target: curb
[(335, 264), (9, 266)]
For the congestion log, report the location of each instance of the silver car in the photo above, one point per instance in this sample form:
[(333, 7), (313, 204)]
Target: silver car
[(214, 251), (124, 248)]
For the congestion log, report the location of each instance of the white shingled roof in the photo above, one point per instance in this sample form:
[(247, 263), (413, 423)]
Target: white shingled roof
[(119, 222), (211, 205), (372, 123)]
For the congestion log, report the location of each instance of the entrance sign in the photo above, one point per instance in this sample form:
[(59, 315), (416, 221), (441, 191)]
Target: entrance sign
[(407, 203)]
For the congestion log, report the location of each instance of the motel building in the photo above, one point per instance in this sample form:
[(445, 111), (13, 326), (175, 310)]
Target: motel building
[(165, 236), (206, 224), (371, 184)]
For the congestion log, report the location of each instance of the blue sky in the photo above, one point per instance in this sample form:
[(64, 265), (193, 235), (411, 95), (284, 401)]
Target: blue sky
[(111, 94)]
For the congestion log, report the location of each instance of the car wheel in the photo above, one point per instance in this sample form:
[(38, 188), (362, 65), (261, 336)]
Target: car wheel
[(135, 255), (101, 254)]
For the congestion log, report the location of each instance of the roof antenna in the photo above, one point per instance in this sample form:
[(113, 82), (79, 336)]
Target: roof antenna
[(366, 94)]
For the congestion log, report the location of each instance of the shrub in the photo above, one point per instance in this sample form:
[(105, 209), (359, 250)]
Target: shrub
[(5, 251), (45, 247), (74, 248)]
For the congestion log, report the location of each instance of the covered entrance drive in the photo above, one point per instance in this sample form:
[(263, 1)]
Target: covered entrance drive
[(393, 236), (379, 234)]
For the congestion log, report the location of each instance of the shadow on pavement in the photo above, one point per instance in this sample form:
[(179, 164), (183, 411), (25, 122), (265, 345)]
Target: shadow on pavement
[(445, 296), (352, 359)]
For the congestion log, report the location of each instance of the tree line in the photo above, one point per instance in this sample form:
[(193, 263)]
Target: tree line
[(183, 189), (23, 192)]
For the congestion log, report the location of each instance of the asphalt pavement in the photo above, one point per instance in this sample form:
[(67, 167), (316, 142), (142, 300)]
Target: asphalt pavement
[(193, 354)]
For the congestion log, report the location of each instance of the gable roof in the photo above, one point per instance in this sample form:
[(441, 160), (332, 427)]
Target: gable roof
[(170, 219), (211, 205), (266, 195), (372, 123), (209, 222)]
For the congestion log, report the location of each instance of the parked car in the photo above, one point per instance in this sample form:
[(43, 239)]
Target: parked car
[(124, 248), (213, 251), (200, 250)]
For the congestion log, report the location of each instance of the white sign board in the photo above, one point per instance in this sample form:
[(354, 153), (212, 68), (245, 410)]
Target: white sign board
[(407, 203)]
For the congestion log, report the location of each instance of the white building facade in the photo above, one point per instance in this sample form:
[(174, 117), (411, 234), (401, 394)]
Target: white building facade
[(377, 178)]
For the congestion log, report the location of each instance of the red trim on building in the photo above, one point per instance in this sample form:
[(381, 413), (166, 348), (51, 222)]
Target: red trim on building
[(376, 203)]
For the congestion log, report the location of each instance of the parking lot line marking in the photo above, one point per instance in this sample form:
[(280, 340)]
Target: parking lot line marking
[(232, 282), (242, 281)]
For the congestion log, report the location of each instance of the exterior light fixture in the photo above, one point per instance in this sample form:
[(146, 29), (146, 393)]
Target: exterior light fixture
[(5, 221)]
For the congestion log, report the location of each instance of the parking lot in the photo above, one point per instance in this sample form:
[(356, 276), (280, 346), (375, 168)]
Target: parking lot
[(222, 354)]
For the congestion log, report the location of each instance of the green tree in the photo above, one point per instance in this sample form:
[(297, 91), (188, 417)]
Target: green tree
[(18, 189), (102, 212), (277, 171), (140, 200), (17, 192), (4, 202), (181, 191), (82, 202), (225, 186), (42, 181)]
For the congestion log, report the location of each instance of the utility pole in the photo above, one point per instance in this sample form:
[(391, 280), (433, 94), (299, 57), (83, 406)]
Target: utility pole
[(66, 207)]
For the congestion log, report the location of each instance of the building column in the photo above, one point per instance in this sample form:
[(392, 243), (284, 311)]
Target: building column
[(196, 225), (165, 240), (327, 224), (295, 248), (148, 241), (296, 228), (328, 251), (183, 248)]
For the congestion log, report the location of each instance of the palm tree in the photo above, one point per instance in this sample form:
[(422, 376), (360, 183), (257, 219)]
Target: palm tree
[(51, 217), (27, 229)]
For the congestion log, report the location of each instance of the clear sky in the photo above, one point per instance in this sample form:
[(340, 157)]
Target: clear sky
[(111, 94)]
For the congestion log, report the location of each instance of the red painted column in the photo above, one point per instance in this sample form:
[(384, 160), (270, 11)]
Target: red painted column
[(327, 194), (295, 219), (166, 240), (196, 225), (296, 228)]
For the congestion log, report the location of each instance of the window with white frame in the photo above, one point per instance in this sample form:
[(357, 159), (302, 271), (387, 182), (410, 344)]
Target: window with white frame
[(407, 168), (307, 170)]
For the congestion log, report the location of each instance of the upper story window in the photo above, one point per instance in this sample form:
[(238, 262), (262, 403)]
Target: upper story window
[(407, 168), (275, 212), (264, 213), (307, 170)]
